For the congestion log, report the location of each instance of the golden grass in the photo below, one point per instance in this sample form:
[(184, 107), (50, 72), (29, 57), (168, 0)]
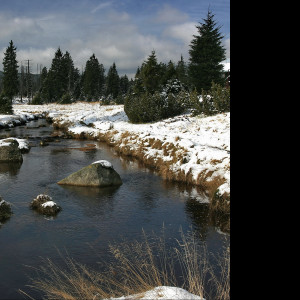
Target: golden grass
[(137, 268)]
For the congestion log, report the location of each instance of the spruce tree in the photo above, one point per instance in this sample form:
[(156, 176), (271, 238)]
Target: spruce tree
[(206, 54), (55, 80), (93, 79), (43, 76), (113, 82), (181, 70), (124, 84), (10, 78), (151, 74)]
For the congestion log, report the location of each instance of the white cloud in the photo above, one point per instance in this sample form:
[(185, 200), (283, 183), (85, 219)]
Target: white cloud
[(18, 26), (170, 15), (101, 6), (227, 47), (183, 32)]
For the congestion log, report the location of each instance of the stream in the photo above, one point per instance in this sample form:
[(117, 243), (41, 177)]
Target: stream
[(91, 218)]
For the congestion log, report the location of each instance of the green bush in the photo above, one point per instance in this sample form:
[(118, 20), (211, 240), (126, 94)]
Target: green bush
[(37, 99), (5, 105), (66, 99), (212, 102), (146, 107)]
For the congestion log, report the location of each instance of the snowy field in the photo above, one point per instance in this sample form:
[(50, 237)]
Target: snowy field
[(202, 144)]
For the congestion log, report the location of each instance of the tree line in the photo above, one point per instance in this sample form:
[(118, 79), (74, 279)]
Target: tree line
[(158, 90)]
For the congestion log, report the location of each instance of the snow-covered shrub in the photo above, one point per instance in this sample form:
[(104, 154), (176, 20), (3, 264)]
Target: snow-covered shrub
[(5, 210)]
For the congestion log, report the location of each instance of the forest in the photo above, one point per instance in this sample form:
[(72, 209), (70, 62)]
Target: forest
[(159, 90)]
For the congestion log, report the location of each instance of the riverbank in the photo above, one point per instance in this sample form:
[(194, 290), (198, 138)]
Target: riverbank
[(190, 149)]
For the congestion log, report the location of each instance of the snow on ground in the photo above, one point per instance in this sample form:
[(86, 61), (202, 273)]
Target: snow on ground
[(162, 292), (204, 141)]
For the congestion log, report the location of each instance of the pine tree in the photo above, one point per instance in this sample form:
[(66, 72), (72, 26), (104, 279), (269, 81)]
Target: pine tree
[(124, 84), (206, 54), (181, 70), (93, 79), (10, 81), (43, 75), (151, 73), (56, 79), (113, 82)]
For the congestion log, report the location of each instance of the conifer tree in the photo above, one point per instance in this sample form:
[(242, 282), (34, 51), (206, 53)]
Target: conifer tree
[(113, 82), (151, 74), (43, 75), (206, 54), (10, 81), (170, 72), (93, 79), (181, 70), (56, 78), (124, 84)]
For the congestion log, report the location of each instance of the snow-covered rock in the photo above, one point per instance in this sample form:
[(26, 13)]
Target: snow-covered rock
[(162, 292)]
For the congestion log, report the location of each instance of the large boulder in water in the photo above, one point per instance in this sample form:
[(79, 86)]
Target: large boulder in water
[(9, 151), (98, 174)]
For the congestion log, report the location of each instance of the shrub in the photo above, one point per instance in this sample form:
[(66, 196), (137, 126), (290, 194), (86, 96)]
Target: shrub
[(146, 107), (66, 99), (37, 99), (5, 105), (216, 100)]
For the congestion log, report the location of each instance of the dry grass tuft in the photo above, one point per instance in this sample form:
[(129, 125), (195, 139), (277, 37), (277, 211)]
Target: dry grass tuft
[(138, 267)]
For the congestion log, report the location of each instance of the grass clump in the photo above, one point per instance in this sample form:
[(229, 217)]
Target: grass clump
[(135, 268)]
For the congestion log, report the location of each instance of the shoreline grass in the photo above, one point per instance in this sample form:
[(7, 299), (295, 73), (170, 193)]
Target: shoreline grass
[(137, 267)]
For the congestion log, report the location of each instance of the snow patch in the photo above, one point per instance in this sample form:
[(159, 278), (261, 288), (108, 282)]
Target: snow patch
[(48, 204), (104, 163)]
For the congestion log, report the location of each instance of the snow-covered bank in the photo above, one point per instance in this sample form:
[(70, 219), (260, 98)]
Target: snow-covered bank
[(195, 149), (8, 121)]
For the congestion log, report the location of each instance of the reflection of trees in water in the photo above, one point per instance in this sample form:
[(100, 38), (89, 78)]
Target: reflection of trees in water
[(12, 168), (200, 217), (204, 217)]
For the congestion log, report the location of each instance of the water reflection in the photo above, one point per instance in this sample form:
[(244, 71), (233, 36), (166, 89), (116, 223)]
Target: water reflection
[(92, 200), (199, 214), (10, 168)]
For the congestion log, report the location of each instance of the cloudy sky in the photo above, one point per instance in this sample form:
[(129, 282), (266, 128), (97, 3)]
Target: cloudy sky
[(120, 31)]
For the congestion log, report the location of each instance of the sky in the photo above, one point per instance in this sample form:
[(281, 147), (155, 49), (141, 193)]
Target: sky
[(124, 32)]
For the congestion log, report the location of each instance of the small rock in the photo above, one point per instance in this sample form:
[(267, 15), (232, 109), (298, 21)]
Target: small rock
[(44, 204), (5, 210)]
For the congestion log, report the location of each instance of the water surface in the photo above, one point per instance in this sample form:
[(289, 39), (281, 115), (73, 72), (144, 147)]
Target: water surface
[(91, 218)]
